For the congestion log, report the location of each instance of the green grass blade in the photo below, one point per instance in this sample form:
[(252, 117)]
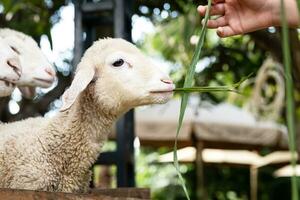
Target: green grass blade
[(289, 98), (204, 89), (232, 88), (188, 83), (201, 90)]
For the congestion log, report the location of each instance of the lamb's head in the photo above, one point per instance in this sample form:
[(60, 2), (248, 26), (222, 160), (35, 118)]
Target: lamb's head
[(36, 69), (10, 68), (120, 75)]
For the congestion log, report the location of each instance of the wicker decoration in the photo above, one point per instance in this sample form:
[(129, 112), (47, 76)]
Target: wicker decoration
[(267, 99)]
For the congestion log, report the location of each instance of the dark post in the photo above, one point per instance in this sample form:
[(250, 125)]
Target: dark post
[(125, 126), (78, 46), (89, 17)]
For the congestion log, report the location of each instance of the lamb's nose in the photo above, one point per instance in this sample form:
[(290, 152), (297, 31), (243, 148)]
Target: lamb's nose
[(167, 81)]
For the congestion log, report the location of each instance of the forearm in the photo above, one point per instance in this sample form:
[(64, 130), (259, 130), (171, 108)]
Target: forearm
[(291, 10)]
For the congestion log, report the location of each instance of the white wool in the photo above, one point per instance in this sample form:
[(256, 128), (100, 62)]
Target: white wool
[(6, 88)]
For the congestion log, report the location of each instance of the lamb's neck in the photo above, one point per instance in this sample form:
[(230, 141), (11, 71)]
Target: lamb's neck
[(75, 137), (88, 119)]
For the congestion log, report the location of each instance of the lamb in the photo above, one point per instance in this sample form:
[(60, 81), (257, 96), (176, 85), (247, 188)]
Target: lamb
[(37, 71), (56, 154), (10, 68), (6, 88)]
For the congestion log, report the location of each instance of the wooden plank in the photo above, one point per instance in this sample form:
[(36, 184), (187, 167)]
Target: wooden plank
[(100, 194), (141, 193)]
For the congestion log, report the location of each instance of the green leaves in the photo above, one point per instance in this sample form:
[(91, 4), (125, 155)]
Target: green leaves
[(290, 107), (188, 83), (33, 17)]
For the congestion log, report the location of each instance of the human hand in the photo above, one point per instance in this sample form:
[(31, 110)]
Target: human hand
[(243, 16)]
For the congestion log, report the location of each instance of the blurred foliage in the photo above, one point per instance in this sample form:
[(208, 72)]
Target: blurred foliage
[(223, 61), (33, 17), (162, 177)]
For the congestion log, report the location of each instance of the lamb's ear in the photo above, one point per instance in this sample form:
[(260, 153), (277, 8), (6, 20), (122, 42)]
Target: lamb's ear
[(81, 80)]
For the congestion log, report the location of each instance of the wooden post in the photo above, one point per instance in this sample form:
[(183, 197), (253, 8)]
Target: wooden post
[(125, 126), (201, 193), (125, 151), (253, 182), (119, 19)]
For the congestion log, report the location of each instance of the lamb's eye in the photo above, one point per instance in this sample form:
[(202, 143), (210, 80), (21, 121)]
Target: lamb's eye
[(14, 49), (118, 63)]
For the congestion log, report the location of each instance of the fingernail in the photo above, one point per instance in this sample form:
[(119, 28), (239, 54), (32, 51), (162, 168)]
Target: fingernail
[(220, 31)]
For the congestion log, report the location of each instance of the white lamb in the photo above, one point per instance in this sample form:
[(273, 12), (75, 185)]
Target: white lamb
[(10, 68), (56, 154), (36, 69)]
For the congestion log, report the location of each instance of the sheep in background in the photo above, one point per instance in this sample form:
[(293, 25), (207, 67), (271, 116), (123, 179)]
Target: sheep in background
[(6, 88), (37, 71), (56, 154), (10, 69)]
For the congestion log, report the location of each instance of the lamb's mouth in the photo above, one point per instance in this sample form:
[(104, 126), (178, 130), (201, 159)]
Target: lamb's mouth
[(161, 92), (47, 82), (7, 83)]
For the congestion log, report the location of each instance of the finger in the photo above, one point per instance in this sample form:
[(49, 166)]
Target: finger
[(225, 31), (202, 10), (218, 9), (215, 23)]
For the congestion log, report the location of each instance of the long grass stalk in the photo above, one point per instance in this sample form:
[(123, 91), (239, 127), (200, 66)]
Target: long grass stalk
[(205, 89), (290, 107), (188, 83), (233, 88)]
